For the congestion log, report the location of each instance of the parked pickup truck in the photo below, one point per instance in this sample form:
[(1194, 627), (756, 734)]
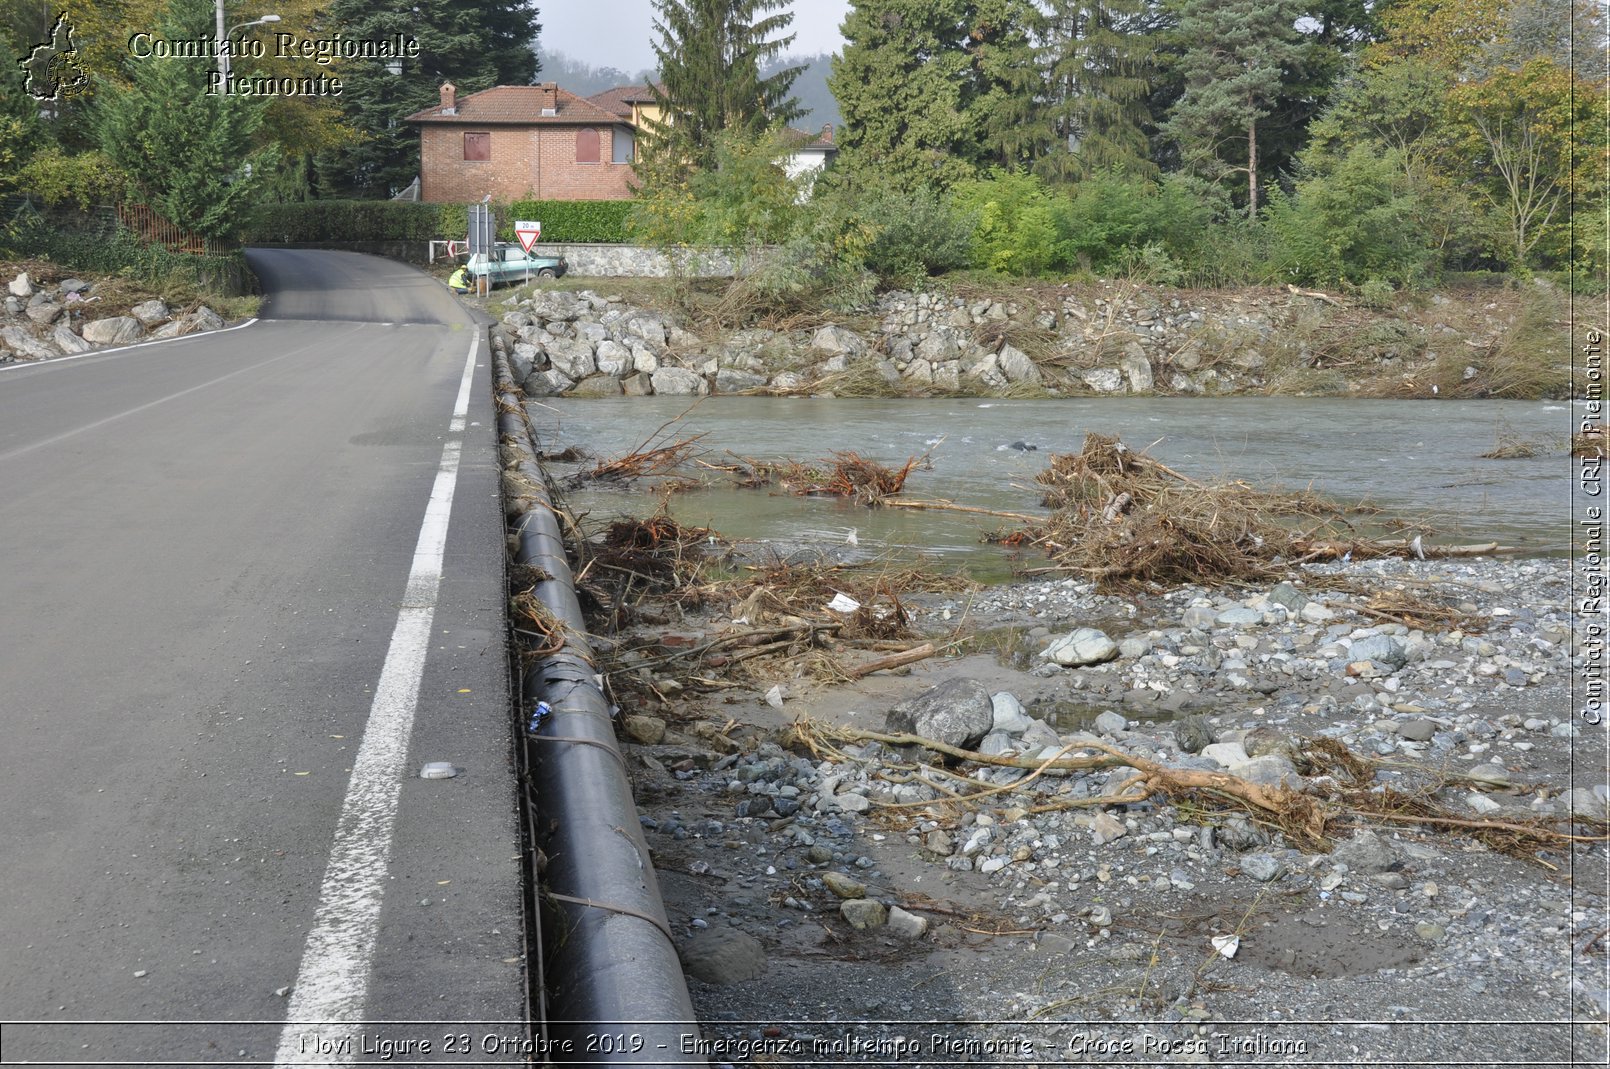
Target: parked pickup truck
[(511, 263)]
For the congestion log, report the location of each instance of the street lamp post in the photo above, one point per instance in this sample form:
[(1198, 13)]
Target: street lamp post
[(225, 35)]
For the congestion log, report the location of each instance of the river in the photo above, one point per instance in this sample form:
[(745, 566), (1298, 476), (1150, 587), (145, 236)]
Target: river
[(1420, 460)]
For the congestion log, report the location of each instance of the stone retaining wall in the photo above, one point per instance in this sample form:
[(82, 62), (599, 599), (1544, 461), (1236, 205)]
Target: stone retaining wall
[(1106, 338), (618, 261)]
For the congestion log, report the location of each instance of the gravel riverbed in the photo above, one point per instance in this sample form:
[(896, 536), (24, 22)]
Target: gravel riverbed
[(843, 906)]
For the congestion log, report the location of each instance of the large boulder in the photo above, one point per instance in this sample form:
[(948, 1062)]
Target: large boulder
[(202, 319), (1082, 646), (549, 382), (113, 330), (729, 380), (677, 381), (554, 304), (957, 712), (613, 358), (21, 286), (1366, 852), (597, 386), (522, 361), (1383, 649), (23, 343), (1016, 365), (69, 342), (835, 340), (44, 312), (151, 312), (648, 329), (572, 356), (1136, 368), (1103, 379)]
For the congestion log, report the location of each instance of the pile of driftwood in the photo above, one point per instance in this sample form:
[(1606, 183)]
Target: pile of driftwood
[(1123, 518)]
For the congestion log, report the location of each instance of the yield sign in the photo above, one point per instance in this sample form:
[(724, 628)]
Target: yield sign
[(528, 231)]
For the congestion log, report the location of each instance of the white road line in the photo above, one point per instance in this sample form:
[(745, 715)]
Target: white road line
[(53, 361), (332, 985)]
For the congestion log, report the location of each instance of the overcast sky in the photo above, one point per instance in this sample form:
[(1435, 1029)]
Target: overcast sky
[(618, 33)]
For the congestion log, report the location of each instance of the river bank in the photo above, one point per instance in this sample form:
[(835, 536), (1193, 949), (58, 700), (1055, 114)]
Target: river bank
[(823, 883), (1104, 338), (1054, 885)]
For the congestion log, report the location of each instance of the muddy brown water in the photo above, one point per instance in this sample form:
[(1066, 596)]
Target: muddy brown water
[(1420, 460)]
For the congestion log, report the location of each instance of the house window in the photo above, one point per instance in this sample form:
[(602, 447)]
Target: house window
[(587, 146), (477, 146), (622, 145)]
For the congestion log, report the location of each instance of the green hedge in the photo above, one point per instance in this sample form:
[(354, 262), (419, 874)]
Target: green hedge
[(569, 220), (394, 220)]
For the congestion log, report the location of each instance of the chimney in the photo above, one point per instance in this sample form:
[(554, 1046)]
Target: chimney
[(449, 98), (548, 98), (827, 133)]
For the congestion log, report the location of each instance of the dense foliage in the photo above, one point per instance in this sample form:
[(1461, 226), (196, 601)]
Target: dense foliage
[(188, 152), (1343, 143), (711, 54)]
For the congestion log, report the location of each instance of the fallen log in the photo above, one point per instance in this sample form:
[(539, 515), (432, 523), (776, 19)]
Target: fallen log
[(893, 660), (951, 506)]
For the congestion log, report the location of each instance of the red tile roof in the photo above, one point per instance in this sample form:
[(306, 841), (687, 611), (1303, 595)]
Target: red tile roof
[(519, 105), (621, 98)]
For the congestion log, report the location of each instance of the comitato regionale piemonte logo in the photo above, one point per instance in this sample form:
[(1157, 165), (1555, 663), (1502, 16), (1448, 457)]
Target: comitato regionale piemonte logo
[(52, 67)]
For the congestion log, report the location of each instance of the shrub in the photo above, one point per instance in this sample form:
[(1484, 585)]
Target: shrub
[(81, 180), (915, 235), (122, 252), (1020, 224), (1108, 214), (1362, 220)]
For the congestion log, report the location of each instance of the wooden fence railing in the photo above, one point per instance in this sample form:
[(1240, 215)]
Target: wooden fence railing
[(156, 230)]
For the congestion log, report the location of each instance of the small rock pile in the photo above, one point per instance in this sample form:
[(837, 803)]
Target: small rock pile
[(42, 321)]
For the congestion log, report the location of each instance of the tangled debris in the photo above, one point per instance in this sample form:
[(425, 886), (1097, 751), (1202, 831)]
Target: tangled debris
[(1337, 787), (1591, 442), (844, 474), (1125, 518)]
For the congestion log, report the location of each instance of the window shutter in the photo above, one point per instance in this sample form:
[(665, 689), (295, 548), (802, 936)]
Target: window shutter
[(587, 145)]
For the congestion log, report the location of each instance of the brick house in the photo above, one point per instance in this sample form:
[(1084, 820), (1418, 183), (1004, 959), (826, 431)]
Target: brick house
[(634, 103), (523, 141)]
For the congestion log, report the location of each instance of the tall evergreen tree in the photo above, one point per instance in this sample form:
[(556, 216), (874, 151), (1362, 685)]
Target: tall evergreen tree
[(902, 88), (1004, 91), (1098, 61), (1237, 53), (711, 54), (188, 150), (475, 44)]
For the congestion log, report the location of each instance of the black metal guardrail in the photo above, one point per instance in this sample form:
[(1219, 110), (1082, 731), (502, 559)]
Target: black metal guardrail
[(613, 987)]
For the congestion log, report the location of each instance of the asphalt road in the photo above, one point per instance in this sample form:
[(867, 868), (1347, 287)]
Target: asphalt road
[(215, 551)]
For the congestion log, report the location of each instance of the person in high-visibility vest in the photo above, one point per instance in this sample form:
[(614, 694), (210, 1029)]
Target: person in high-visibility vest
[(459, 281)]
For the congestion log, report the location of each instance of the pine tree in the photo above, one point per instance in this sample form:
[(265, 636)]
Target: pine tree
[(1097, 61), (711, 54), (475, 44), (902, 87), (20, 132), (1236, 55), (188, 150), (1003, 94)]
